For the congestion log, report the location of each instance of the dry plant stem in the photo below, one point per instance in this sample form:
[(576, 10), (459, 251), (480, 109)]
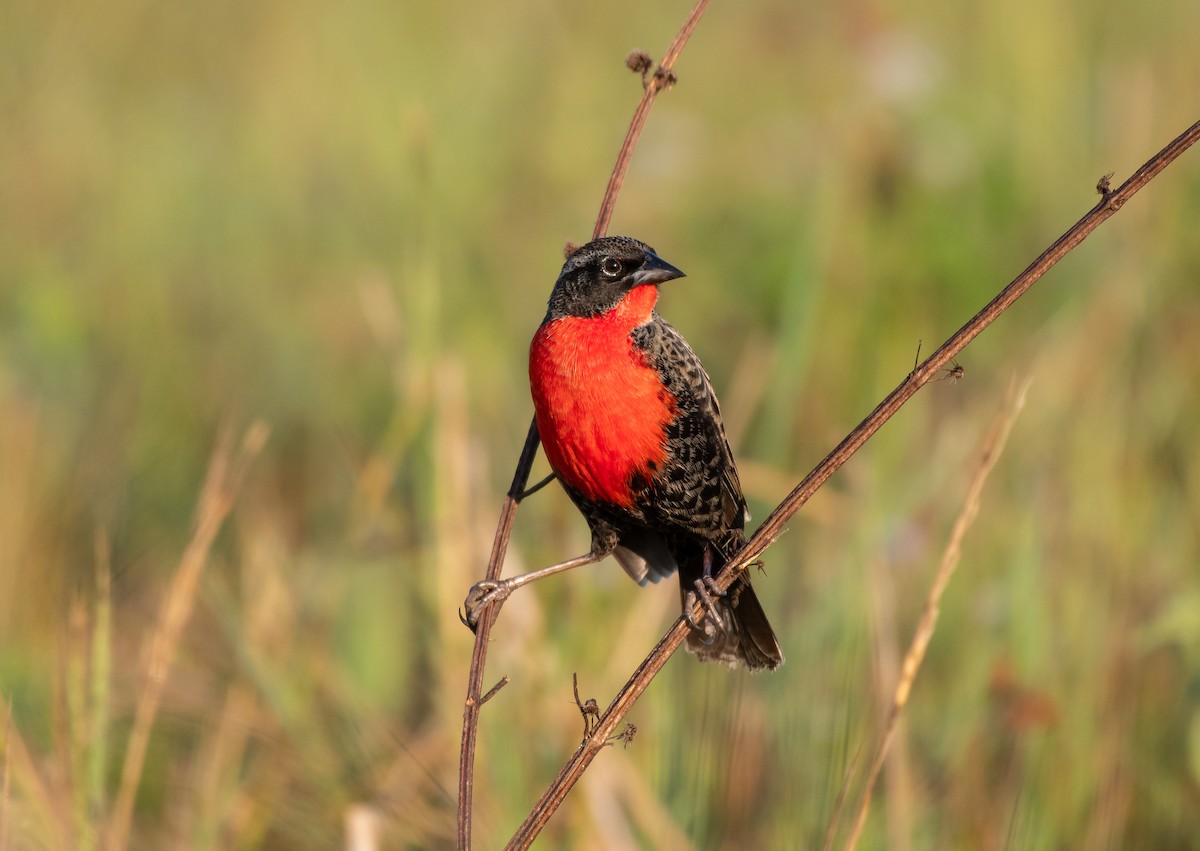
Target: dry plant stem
[(992, 447), (473, 703), (775, 524), (483, 631), (25, 774), (494, 690), (4, 801), (840, 800), (657, 83), (101, 673), (5, 818), (221, 485)]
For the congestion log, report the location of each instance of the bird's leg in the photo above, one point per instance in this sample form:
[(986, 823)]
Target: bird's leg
[(706, 591), (704, 626), (531, 491), (707, 580), (498, 590)]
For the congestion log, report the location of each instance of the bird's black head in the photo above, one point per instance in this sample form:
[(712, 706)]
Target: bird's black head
[(598, 275)]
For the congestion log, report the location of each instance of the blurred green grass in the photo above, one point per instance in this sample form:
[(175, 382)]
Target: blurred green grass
[(345, 221)]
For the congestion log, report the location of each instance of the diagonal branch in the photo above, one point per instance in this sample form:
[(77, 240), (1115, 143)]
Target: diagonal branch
[(774, 525), (663, 78)]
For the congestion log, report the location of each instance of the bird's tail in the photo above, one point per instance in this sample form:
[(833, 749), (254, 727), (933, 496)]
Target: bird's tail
[(747, 638)]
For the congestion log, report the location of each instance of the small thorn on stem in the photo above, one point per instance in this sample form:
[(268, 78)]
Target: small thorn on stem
[(492, 691), (1104, 185), (589, 709)]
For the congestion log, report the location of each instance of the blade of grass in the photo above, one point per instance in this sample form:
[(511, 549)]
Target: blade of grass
[(79, 724), (5, 787), (97, 759), (19, 765), (992, 447), (224, 479)]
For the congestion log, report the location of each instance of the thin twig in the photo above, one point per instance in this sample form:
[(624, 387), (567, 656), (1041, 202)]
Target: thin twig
[(661, 79), (774, 525), (992, 447), (494, 690), (483, 631), (589, 709)]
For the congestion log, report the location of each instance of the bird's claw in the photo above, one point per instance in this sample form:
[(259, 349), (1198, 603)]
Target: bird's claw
[(483, 592), (705, 594), (709, 585)]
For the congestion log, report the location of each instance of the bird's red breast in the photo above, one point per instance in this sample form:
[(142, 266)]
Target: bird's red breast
[(602, 409)]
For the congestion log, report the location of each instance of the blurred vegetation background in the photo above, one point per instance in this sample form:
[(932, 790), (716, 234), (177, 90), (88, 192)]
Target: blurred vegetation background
[(344, 219)]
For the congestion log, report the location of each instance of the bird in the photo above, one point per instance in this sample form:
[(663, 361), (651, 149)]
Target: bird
[(632, 429)]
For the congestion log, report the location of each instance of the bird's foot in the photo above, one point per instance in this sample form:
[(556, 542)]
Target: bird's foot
[(483, 592), (706, 595)]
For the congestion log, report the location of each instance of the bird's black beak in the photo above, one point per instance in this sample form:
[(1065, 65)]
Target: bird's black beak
[(654, 270)]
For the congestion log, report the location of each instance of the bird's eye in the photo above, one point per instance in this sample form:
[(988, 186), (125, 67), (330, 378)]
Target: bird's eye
[(610, 266)]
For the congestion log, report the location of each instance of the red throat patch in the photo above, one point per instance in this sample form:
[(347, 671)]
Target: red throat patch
[(602, 409)]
